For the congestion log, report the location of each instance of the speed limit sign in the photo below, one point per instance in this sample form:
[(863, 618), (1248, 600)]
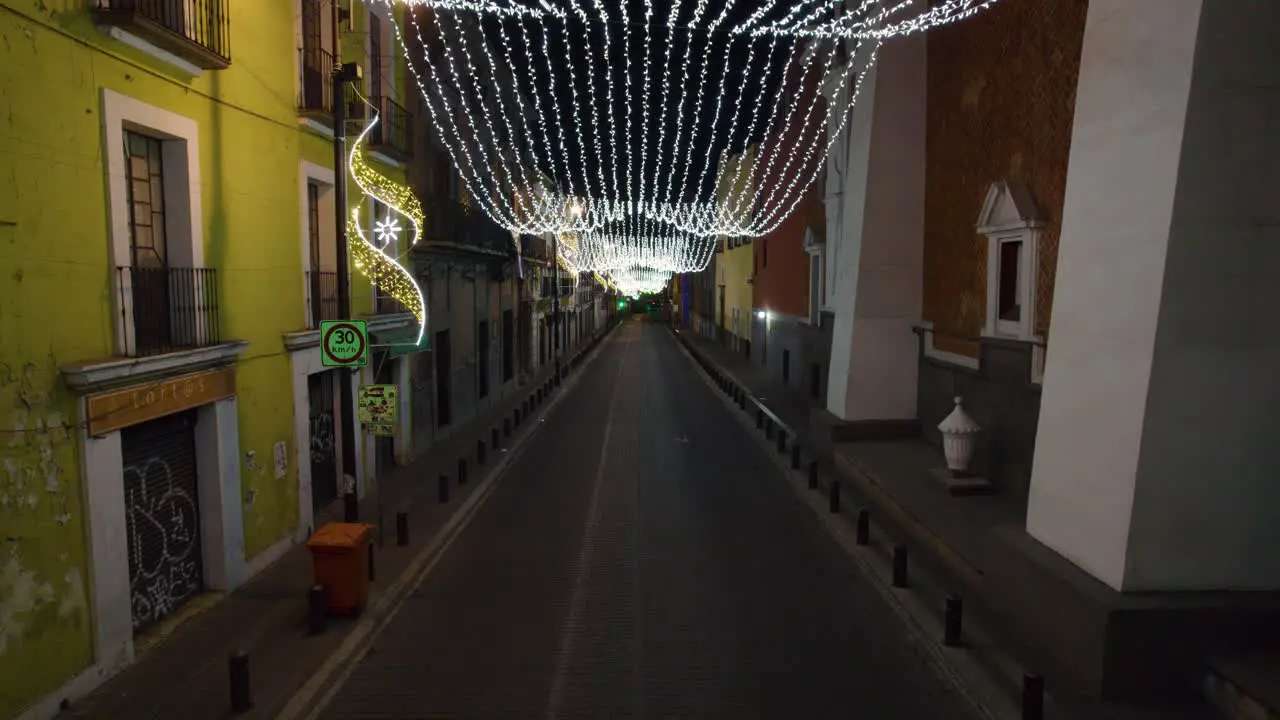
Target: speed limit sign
[(344, 343)]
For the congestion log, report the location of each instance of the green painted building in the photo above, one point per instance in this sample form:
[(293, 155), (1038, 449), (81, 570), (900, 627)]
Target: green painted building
[(167, 246)]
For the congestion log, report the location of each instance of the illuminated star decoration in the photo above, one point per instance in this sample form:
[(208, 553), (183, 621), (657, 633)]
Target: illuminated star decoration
[(382, 269), (386, 231), (512, 121)]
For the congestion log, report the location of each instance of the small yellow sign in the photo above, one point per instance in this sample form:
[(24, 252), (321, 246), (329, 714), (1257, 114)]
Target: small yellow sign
[(376, 407)]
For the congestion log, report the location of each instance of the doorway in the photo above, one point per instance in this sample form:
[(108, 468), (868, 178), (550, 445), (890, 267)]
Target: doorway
[(444, 377), (482, 341), (162, 518), (322, 436)]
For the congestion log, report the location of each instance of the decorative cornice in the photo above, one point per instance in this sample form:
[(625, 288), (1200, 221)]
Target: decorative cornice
[(94, 375)]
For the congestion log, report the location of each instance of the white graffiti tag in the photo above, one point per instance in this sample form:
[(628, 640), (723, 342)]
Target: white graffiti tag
[(164, 550)]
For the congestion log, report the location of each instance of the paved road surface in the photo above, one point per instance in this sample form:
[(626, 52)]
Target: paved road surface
[(642, 558)]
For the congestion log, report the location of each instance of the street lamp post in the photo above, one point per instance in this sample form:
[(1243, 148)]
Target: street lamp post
[(344, 74), (555, 301)]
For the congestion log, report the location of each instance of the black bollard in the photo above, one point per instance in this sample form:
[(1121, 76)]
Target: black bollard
[(863, 536), (813, 474), (506, 427), (479, 452), (795, 456), (497, 440), (373, 569), (317, 612), (238, 674), (443, 492), (1032, 696), (350, 507), (782, 440), (515, 418), (900, 566), (402, 528), (833, 502), (952, 622), (759, 418), (462, 471)]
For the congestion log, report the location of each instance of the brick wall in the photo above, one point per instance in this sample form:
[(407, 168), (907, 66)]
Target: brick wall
[(1001, 89)]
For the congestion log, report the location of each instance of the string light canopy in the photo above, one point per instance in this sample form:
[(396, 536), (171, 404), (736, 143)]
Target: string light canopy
[(605, 119)]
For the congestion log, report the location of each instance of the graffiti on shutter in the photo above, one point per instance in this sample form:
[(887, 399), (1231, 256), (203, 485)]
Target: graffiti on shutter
[(324, 469), (163, 516)]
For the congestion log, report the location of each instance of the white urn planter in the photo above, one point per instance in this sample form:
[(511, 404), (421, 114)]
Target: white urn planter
[(959, 440)]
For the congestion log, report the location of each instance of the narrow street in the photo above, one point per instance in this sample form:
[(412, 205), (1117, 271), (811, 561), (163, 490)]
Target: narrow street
[(641, 558)]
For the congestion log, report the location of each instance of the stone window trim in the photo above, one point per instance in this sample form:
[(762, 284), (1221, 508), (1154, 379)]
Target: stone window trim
[(1009, 215), (180, 160), (816, 249)]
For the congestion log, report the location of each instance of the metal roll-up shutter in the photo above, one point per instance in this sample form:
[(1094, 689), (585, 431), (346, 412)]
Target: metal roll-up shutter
[(161, 496)]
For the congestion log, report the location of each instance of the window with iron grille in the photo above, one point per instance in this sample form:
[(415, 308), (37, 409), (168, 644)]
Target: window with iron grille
[(144, 178)]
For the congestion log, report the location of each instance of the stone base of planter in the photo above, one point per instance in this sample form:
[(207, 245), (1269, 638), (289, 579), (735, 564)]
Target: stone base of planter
[(966, 484)]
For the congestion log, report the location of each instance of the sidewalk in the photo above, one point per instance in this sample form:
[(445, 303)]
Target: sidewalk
[(184, 673), (964, 544)]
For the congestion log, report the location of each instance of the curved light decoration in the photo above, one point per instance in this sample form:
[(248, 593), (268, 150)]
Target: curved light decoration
[(652, 198), (371, 258)]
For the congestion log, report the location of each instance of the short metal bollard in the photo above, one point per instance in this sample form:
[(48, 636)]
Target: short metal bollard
[(497, 440), (1032, 696), (952, 622), (462, 471), (443, 491), (759, 418), (238, 674), (900, 566), (317, 613), (479, 452), (782, 440), (506, 427), (863, 530), (402, 528), (813, 474), (795, 456), (833, 501)]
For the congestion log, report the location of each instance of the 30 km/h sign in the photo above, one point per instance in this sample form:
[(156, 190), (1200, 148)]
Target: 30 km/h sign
[(344, 343)]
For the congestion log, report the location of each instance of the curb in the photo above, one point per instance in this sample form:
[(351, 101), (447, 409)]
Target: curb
[(987, 678), (315, 694)]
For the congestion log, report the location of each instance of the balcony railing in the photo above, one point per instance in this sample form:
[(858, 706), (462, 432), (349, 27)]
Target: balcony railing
[(394, 133), (166, 309), (322, 298), (387, 305), (316, 95), (198, 31), (447, 221)]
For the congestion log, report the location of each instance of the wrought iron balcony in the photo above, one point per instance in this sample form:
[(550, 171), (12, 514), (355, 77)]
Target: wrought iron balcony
[(448, 221), (198, 31), (322, 297), (315, 97), (387, 305), (393, 136), (166, 309)]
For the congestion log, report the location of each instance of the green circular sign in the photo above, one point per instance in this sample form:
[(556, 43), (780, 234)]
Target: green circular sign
[(343, 343)]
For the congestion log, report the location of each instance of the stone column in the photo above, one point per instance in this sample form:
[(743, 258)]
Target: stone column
[(877, 248), (1154, 467)]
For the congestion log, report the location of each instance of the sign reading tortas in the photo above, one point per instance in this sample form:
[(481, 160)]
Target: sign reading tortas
[(114, 409), (376, 408)]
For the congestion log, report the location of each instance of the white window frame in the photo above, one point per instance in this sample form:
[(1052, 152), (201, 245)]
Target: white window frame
[(817, 254), (180, 157), (322, 176), (1009, 215)]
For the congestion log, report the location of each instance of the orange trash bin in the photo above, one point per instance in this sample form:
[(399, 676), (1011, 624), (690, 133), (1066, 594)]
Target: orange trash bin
[(340, 563)]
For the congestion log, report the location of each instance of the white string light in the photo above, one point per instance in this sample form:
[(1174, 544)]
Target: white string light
[(624, 208)]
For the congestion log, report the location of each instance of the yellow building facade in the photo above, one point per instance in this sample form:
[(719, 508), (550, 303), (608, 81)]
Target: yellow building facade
[(167, 243), (734, 261)]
